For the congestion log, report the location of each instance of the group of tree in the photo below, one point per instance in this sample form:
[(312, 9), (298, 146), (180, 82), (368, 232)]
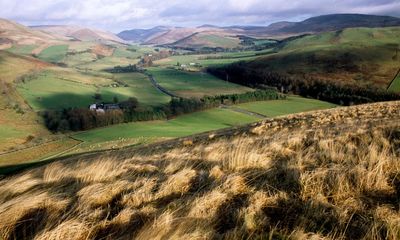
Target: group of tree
[(339, 93), (79, 119), (123, 69)]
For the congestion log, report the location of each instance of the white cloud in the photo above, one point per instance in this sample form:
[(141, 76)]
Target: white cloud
[(122, 14)]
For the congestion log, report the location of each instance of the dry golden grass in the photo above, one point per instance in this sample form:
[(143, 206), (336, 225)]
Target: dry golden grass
[(331, 174)]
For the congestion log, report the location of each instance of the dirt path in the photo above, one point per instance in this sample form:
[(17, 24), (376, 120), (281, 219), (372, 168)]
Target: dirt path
[(240, 110)]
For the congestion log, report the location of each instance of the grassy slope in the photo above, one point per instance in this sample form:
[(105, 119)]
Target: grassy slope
[(323, 175), (201, 40), (54, 53), (17, 120), (178, 127), (283, 107), (58, 89), (194, 84), (395, 86), (23, 50), (360, 55)]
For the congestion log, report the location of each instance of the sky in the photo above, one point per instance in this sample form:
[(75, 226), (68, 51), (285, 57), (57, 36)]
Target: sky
[(118, 15)]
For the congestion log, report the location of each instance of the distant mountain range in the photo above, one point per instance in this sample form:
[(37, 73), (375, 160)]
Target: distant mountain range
[(170, 35), (185, 37)]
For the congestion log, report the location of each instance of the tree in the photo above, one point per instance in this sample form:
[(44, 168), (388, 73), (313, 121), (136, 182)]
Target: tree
[(129, 105), (97, 96)]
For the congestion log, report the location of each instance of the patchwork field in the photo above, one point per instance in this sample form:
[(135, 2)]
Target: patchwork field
[(194, 84), (54, 53), (217, 59)]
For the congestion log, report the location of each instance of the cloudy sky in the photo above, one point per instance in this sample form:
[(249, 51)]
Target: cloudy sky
[(117, 15)]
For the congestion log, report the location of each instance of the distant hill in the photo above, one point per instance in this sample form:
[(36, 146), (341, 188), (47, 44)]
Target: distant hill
[(79, 33), (335, 22), (207, 39), (142, 35), (15, 33), (278, 30)]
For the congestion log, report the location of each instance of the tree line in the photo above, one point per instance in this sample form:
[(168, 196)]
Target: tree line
[(339, 93), (79, 119)]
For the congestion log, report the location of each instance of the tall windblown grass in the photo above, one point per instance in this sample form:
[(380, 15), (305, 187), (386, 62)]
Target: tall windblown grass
[(324, 175)]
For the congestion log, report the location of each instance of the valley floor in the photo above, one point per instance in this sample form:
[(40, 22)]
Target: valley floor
[(139, 133)]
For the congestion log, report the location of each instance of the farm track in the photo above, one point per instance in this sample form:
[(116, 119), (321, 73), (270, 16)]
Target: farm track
[(244, 111)]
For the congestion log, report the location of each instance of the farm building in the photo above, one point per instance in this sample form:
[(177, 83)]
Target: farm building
[(102, 107)]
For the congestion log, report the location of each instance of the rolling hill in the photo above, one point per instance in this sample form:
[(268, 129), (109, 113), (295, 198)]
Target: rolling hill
[(335, 22), (79, 33), (330, 174), (14, 33), (279, 30)]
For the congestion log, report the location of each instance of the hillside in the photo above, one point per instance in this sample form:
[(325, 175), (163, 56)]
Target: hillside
[(336, 22), (362, 57), (330, 174), (14, 33), (18, 123), (79, 33), (207, 39)]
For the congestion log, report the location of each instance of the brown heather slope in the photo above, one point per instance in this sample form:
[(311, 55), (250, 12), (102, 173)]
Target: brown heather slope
[(14, 33), (323, 175)]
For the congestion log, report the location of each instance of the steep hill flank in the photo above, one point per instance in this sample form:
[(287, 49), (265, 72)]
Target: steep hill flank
[(329, 174), (362, 57)]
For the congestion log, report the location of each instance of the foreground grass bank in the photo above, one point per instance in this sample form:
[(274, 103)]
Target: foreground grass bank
[(322, 175)]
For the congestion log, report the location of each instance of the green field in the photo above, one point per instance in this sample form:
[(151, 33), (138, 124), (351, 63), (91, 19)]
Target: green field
[(50, 90), (395, 86), (54, 53), (194, 84), (178, 127), (198, 122), (292, 104), (22, 49), (216, 59), (7, 132)]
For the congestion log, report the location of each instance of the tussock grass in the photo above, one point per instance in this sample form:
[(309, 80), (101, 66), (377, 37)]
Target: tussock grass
[(331, 174)]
